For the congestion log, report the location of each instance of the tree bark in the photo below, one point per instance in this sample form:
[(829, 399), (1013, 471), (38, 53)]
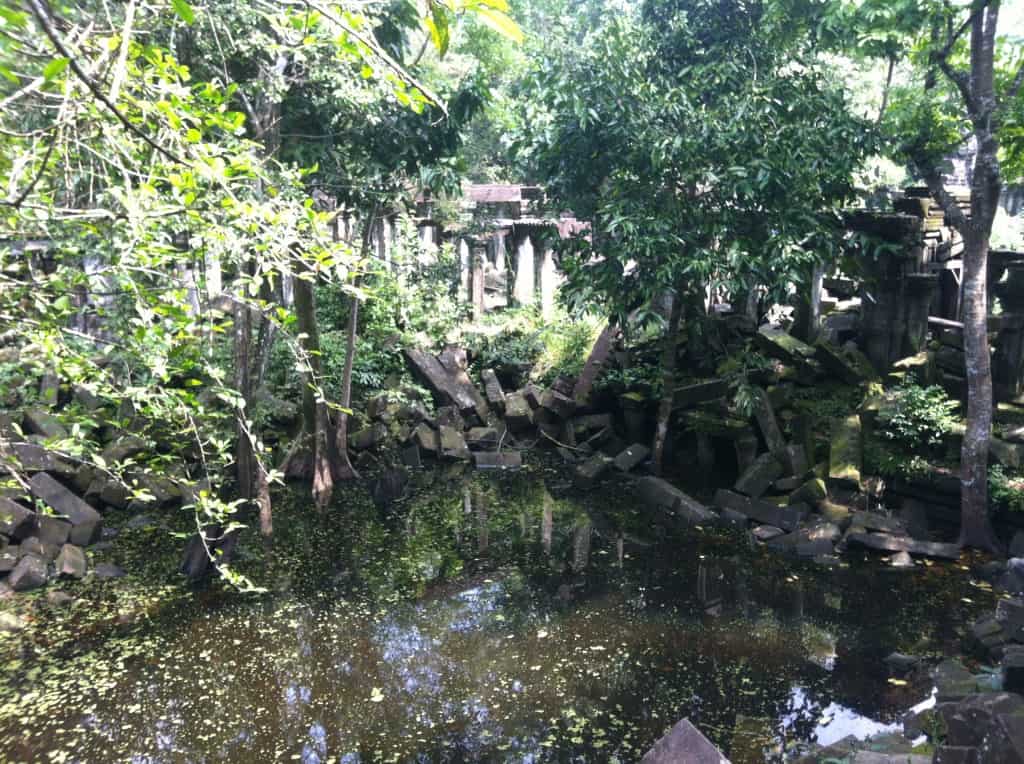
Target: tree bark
[(669, 353), (315, 422), (245, 457), (343, 469), (977, 89)]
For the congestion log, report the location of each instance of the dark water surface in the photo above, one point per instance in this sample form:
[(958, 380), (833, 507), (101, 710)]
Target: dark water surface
[(496, 619)]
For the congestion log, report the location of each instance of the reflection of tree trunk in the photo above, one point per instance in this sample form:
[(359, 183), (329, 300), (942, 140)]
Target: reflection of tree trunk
[(668, 382), (581, 535), (483, 531), (547, 522), (343, 469)]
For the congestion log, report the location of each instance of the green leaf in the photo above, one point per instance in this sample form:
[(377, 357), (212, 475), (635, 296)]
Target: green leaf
[(184, 10), (55, 67), (500, 23)]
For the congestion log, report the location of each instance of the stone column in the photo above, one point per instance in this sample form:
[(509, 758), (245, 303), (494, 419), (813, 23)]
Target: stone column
[(524, 287), (478, 251), (917, 301), (464, 278), (549, 282), (428, 242)]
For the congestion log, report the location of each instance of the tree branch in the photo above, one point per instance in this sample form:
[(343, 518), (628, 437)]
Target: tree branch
[(32, 184), (933, 179), (40, 12)]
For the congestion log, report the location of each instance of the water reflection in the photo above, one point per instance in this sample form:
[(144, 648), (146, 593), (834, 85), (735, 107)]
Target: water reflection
[(584, 646)]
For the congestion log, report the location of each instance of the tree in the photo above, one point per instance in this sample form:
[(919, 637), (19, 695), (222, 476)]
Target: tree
[(964, 84), (699, 138)]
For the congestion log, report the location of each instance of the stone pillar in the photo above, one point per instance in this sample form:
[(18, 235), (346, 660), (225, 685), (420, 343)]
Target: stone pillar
[(464, 278), (549, 281), (498, 252), (1008, 355), (524, 287), (428, 241), (214, 280), (478, 256), (917, 301)]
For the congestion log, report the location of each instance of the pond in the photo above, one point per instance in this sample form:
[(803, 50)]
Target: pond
[(484, 619)]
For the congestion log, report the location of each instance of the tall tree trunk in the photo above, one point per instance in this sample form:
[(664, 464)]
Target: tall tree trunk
[(975, 529), (245, 457), (315, 422), (977, 89), (669, 352), (343, 469)]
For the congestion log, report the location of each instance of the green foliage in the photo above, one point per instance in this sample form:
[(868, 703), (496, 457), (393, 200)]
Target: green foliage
[(522, 338), (917, 417), (1005, 489)]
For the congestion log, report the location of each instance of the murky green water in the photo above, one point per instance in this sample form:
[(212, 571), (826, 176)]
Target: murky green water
[(496, 620)]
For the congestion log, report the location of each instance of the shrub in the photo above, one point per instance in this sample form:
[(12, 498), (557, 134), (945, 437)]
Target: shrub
[(1005, 490), (917, 417)]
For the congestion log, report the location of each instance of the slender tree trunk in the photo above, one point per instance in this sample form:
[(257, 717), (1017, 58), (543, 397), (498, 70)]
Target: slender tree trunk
[(977, 88), (245, 457), (315, 422), (975, 529), (670, 346), (343, 469)]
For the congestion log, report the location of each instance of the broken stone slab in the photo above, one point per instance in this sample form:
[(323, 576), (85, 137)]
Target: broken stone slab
[(810, 492), (483, 438), (425, 438), (766, 532), (901, 560), (493, 390), (845, 452), (8, 558), (591, 424), (794, 459), (44, 423), (52, 530), (873, 521), (836, 363), (595, 362), (787, 518), (702, 392), (788, 484), (518, 414), (30, 573), (632, 457), (684, 743), (558, 404), (885, 542), (504, 461), (65, 503), (440, 381), (661, 494), (589, 470), (105, 571), (453, 360), (783, 346), (16, 521), (533, 395), (452, 445), (368, 437), (32, 457), (70, 562), (123, 448), (756, 479), (410, 456), (768, 424)]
